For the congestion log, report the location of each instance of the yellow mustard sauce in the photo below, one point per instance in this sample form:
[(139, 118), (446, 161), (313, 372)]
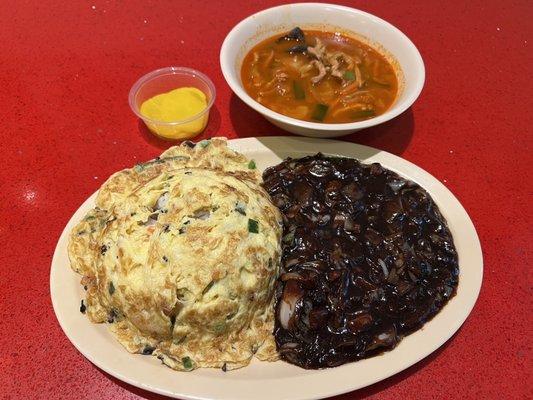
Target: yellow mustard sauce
[(168, 109)]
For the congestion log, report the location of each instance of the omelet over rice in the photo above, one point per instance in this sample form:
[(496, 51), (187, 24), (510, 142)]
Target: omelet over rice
[(180, 257)]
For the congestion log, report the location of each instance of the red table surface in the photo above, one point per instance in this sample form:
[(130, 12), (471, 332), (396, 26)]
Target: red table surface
[(65, 72)]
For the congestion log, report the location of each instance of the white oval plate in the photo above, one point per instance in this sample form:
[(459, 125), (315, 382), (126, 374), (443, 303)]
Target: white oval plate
[(278, 380)]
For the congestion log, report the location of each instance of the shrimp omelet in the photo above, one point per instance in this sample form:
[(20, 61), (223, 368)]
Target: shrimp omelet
[(180, 257)]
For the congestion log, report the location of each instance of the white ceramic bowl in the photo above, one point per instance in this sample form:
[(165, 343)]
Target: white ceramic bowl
[(373, 30)]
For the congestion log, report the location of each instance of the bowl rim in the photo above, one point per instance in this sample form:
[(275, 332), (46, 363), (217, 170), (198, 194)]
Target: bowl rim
[(235, 85), (171, 71)]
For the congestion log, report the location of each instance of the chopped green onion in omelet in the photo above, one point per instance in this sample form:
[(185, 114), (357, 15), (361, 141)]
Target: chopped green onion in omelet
[(253, 226), (187, 363), (180, 257)]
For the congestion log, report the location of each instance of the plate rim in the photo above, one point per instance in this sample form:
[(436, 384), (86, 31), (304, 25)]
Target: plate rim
[(259, 144)]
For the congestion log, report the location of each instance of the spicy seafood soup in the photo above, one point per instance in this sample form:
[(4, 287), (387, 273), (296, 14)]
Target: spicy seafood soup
[(319, 76)]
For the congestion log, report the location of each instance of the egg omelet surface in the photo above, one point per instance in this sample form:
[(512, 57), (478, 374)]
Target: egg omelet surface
[(180, 257)]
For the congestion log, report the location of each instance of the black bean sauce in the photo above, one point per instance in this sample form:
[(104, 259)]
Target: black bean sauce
[(367, 258)]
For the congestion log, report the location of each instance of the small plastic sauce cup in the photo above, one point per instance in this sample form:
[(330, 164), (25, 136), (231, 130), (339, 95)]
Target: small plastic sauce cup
[(164, 80)]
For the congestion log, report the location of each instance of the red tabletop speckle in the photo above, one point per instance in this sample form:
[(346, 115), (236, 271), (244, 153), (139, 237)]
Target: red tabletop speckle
[(65, 72)]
